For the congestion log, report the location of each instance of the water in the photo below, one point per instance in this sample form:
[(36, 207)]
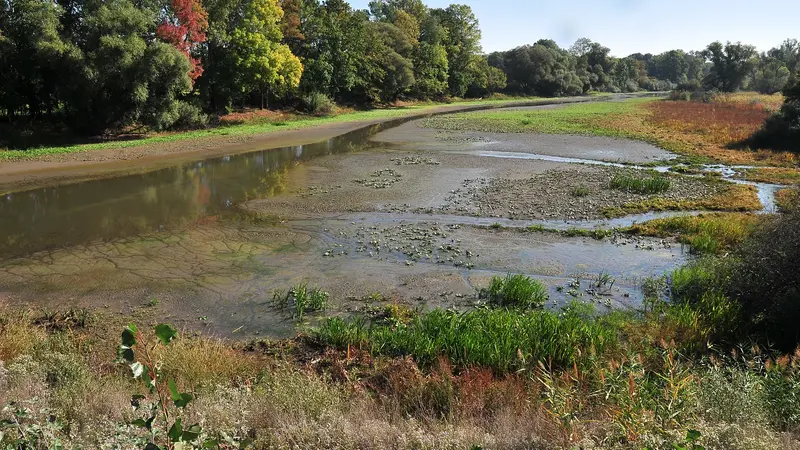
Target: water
[(766, 191)]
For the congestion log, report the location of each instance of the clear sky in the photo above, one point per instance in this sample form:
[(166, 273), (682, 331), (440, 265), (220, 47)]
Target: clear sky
[(631, 26)]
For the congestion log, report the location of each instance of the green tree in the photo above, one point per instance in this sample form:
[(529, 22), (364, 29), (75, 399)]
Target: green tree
[(771, 76), (730, 65), (789, 54), (782, 130), (335, 51), (462, 43), (393, 73), (121, 78), (540, 69), (265, 63), (34, 57)]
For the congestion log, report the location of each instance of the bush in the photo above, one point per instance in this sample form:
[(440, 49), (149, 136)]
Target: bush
[(189, 116), (318, 104), (516, 291)]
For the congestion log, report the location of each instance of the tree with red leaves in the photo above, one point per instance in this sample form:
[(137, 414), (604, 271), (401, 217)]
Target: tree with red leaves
[(185, 30)]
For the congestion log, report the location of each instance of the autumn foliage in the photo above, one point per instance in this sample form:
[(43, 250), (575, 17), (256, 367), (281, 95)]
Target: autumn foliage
[(186, 30)]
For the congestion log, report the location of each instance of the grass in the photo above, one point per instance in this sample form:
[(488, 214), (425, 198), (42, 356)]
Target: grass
[(703, 132), (504, 340), (705, 233), (629, 183), (257, 126), (516, 291), (580, 191), (775, 175), (302, 300), (734, 198), (785, 198)]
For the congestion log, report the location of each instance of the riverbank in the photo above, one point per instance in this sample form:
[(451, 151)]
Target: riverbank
[(57, 165)]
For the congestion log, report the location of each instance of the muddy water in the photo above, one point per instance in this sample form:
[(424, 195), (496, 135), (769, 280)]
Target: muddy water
[(174, 244)]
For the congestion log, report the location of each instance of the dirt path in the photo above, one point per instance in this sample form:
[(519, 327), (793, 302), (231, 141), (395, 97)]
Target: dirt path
[(79, 166)]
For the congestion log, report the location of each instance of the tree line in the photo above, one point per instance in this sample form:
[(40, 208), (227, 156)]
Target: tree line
[(100, 66)]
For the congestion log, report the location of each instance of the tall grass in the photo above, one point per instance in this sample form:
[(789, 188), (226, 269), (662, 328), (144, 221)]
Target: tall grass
[(652, 185), (504, 340), (516, 291), (705, 233)]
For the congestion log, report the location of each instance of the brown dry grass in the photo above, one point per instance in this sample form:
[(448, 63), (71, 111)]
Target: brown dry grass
[(704, 130), (735, 198), (787, 197), (17, 335), (206, 360)]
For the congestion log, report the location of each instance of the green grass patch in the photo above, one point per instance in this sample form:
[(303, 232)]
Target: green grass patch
[(516, 291), (705, 233), (505, 340), (581, 119), (651, 185)]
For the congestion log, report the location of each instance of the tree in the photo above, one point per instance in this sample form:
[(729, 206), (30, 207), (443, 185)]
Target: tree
[(781, 131), (185, 28), (789, 54), (266, 63), (730, 65), (771, 76), (395, 73), (34, 57), (118, 77), (462, 43), (540, 69)]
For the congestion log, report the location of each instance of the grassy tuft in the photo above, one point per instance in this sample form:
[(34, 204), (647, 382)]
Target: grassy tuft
[(301, 300), (516, 291), (705, 233), (652, 185)]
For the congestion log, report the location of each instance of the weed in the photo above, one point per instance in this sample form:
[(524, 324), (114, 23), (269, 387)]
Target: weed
[(515, 291), (301, 300), (580, 191), (652, 185)]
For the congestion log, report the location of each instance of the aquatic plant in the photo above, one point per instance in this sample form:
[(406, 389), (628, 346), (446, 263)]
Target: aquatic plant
[(301, 300), (515, 291)]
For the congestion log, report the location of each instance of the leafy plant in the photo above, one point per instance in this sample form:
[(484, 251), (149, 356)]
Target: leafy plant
[(301, 299), (164, 423)]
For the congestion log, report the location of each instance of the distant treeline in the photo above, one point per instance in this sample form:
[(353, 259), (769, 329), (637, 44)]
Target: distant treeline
[(99, 66)]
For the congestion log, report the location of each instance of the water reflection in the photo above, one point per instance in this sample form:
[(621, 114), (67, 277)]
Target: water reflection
[(76, 213)]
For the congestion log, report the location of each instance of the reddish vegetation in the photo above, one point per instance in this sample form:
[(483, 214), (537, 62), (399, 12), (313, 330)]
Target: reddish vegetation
[(186, 31), (254, 115), (720, 123)]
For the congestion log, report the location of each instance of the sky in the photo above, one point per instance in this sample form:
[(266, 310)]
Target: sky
[(632, 26)]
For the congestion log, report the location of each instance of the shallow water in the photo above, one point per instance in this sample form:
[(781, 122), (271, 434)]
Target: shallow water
[(766, 191), (178, 235)]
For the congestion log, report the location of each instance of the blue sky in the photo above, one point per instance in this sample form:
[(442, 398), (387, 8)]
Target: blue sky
[(630, 26)]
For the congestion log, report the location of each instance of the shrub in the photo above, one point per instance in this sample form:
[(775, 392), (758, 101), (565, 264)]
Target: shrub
[(189, 116), (516, 291), (318, 104)]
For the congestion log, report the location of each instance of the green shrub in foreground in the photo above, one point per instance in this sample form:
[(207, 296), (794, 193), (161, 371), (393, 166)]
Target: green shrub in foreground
[(516, 291), (502, 339)]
